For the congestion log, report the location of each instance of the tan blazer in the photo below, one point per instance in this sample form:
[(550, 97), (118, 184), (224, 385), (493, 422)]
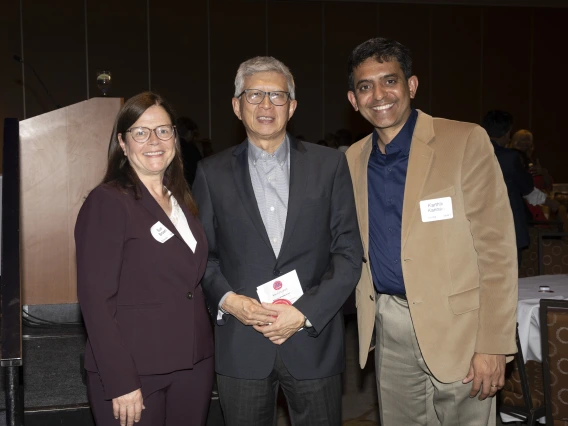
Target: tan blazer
[(460, 274)]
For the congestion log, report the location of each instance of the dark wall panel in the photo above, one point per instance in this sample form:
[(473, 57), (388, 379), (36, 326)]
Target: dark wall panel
[(506, 62), (468, 59), (118, 41), (11, 100), (346, 26), (56, 48), (549, 93), (456, 62), (178, 53), (410, 25), (300, 49), (238, 33)]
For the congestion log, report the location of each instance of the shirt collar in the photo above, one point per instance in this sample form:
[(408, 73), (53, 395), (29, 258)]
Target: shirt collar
[(402, 140), (281, 154)]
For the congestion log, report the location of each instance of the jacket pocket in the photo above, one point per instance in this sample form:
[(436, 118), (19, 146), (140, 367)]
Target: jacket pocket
[(466, 301)]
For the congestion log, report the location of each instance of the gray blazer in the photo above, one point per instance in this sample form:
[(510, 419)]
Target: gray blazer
[(321, 242)]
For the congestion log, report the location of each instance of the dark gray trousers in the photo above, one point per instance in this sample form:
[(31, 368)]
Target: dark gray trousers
[(248, 402)]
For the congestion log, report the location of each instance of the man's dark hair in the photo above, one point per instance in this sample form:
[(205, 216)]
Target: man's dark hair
[(497, 123), (382, 50)]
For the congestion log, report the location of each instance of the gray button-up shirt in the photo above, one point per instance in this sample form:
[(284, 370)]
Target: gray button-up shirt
[(270, 177)]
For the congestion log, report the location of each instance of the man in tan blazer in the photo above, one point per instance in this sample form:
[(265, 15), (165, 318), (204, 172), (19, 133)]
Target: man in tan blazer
[(439, 283)]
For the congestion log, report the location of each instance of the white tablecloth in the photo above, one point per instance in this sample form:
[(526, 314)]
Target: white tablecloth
[(528, 310), (528, 315)]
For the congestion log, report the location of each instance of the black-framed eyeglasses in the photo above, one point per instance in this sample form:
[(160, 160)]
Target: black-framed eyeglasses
[(256, 96), (142, 134)]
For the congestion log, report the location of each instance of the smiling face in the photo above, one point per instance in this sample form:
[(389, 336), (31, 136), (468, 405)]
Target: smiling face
[(382, 95), (265, 123), (150, 158)]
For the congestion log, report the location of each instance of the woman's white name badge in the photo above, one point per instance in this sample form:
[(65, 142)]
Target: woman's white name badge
[(436, 209), (160, 232)]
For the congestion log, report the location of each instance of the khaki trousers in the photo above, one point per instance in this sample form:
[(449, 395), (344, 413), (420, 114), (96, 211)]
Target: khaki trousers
[(409, 394)]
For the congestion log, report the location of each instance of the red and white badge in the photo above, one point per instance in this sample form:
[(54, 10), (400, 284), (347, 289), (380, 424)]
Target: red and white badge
[(283, 291)]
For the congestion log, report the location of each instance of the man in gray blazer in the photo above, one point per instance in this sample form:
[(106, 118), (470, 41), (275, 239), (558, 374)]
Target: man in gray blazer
[(270, 206)]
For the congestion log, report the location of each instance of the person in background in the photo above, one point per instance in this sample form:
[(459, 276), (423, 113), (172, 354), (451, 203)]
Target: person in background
[(523, 142), (498, 125), (188, 133), (206, 147), (141, 255), (331, 139), (344, 139), (439, 282)]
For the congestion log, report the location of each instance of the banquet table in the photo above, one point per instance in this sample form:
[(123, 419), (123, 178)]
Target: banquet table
[(528, 309)]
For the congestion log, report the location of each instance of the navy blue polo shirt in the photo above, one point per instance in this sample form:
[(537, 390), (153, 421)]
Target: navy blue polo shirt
[(386, 177)]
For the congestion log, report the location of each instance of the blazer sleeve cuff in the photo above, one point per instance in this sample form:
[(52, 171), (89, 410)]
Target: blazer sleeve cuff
[(118, 386)]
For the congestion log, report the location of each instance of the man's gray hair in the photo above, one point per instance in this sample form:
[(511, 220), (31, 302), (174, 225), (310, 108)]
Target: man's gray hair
[(263, 64)]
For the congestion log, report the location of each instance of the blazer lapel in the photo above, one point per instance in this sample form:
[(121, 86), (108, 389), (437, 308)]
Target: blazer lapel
[(419, 162), (298, 181), (244, 188), (150, 204), (362, 194)]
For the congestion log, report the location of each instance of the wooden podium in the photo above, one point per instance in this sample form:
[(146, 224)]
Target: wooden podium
[(63, 156)]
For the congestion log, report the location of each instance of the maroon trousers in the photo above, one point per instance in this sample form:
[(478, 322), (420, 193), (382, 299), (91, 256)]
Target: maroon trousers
[(180, 398)]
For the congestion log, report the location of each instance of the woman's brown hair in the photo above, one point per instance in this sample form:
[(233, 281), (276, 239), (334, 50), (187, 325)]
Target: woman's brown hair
[(120, 174)]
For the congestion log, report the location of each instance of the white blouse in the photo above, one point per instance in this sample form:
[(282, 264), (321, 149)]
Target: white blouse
[(180, 222)]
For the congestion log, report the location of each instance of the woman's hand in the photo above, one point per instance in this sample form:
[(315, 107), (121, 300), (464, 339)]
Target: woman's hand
[(128, 407)]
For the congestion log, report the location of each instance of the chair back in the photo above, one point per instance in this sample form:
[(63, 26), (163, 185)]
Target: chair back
[(553, 253), (554, 341), (522, 395)]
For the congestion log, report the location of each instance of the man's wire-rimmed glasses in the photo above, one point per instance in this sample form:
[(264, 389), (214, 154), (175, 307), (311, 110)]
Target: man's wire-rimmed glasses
[(142, 134), (256, 96)]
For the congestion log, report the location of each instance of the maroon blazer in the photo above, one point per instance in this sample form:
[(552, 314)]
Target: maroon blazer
[(141, 300)]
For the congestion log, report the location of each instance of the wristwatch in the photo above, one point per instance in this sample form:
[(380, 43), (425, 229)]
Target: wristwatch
[(307, 323)]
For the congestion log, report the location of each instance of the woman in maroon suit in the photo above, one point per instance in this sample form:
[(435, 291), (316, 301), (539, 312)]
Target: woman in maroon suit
[(141, 254)]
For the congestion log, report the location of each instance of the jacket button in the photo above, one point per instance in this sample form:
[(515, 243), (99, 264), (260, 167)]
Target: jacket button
[(190, 295), (371, 297), (276, 272)]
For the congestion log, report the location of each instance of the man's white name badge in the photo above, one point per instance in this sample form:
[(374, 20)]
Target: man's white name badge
[(284, 290), (160, 232), (436, 209)]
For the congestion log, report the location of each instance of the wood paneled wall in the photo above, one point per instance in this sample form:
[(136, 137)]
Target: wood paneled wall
[(468, 59)]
